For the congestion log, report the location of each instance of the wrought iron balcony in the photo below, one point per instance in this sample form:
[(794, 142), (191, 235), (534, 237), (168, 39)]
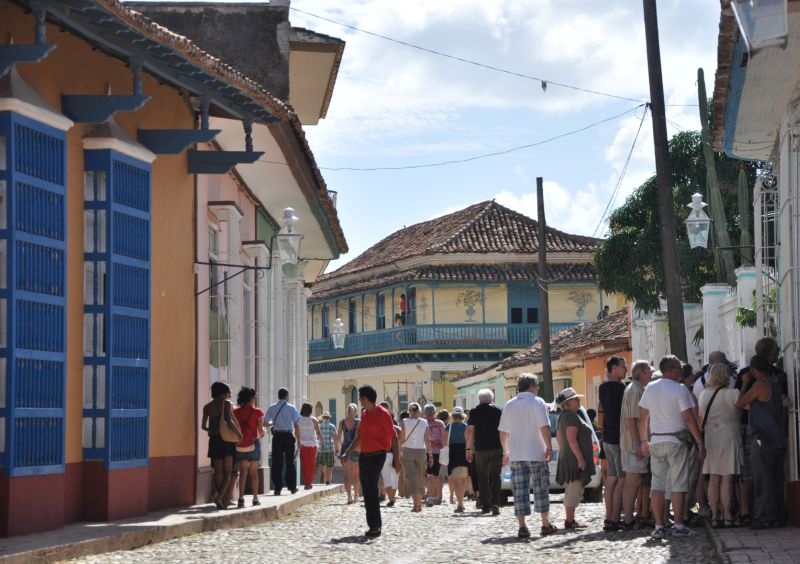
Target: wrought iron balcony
[(489, 336)]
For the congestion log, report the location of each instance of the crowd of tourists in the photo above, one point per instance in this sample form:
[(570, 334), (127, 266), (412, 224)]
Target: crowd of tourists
[(672, 439)]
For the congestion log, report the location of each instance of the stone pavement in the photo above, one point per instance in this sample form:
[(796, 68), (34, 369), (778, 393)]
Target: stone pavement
[(83, 539), (332, 531), (767, 545)]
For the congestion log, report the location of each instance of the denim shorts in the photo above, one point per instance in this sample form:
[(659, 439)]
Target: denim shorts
[(252, 456)]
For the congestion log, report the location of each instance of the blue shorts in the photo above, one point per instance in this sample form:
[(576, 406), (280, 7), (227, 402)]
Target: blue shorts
[(252, 456)]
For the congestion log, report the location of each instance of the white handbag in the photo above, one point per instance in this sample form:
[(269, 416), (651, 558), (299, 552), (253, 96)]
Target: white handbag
[(444, 454)]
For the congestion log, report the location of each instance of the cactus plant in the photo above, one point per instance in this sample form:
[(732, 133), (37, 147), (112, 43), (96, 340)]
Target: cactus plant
[(725, 259), (745, 240)]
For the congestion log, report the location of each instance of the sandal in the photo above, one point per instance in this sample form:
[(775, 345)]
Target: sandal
[(523, 533), (574, 525), (548, 529)]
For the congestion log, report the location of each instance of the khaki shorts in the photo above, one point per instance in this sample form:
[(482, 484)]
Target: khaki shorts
[(669, 463), (460, 472), (573, 493), (634, 465)]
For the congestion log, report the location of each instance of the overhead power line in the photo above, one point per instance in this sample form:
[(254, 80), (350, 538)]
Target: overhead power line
[(544, 82), (486, 155), (611, 200)]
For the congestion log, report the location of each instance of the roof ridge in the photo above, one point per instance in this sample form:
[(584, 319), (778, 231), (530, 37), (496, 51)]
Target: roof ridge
[(487, 205)]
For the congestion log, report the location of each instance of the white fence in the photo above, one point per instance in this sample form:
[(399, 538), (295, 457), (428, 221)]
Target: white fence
[(710, 325)]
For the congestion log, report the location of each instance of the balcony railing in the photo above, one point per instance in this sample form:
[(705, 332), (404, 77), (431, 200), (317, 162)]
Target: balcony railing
[(457, 336)]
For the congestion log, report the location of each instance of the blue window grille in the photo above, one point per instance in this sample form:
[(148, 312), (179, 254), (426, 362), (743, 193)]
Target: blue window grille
[(116, 377), (32, 296)]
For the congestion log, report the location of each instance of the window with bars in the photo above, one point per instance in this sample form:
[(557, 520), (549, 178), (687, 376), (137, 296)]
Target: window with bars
[(116, 340), (32, 296)]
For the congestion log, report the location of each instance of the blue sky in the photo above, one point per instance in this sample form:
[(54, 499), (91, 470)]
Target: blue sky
[(396, 106)]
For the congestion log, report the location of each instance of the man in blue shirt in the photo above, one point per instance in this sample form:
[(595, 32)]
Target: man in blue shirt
[(282, 418)]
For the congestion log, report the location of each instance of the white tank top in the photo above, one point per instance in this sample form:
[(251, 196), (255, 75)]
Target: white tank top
[(308, 436)]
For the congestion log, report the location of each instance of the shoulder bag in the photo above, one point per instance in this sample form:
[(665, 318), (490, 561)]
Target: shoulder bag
[(228, 426), (272, 424), (708, 410), (444, 454)]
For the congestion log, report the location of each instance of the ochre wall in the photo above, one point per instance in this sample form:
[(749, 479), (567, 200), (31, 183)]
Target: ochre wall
[(563, 310), (172, 337), (497, 304)]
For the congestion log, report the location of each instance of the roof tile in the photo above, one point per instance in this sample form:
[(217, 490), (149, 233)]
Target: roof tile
[(483, 228)]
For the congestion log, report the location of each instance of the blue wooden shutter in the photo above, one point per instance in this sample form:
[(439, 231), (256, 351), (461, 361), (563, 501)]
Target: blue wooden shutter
[(32, 296), (117, 310)]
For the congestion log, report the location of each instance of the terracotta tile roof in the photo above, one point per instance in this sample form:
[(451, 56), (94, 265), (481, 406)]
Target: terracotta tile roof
[(608, 330), (482, 228), (726, 43), (227, 73), (612, 332), (512, 272)]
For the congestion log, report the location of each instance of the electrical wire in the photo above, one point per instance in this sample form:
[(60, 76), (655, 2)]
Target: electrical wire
[(609, 206), (543, 81), (485, 155)]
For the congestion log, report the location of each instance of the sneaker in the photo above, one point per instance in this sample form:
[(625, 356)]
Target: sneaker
[(240, 504), (659, 533), (682, 531), (256, 502)]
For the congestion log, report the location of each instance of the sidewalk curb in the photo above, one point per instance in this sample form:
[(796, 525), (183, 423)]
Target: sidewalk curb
[(113, 539)]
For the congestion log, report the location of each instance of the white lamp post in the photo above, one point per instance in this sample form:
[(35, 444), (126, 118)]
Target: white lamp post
[(698, 223), (337, 335), (288, 238)]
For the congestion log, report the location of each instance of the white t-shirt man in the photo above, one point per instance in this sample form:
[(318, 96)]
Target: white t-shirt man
[(666, 400), (522, 418)]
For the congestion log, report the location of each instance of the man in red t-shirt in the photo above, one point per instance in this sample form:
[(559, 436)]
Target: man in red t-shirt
[(376, 436)]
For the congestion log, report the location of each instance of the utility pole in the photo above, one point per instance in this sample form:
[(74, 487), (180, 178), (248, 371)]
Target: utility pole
[(666, 211), (544, 305)]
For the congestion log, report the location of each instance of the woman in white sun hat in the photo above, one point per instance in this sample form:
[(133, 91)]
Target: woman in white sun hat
[(575, 458)]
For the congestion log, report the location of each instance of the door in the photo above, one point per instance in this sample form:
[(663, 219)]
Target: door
[(523, 309)]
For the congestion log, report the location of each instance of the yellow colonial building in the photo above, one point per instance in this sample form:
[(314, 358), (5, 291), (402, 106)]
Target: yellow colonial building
[(439, 299)]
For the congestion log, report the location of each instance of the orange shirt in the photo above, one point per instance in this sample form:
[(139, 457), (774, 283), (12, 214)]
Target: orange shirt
[(376, 430)]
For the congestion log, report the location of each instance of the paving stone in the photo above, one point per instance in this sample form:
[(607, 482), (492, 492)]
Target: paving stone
[(332, 531)]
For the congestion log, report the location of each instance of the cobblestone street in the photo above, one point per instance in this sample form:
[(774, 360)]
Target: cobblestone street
[(331, 531)]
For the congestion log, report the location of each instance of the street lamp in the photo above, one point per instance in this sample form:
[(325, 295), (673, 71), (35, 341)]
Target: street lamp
[(698, 223), (288, 238), (337, 335)]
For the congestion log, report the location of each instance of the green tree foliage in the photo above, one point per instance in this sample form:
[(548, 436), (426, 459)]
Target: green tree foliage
[(629, 261)]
